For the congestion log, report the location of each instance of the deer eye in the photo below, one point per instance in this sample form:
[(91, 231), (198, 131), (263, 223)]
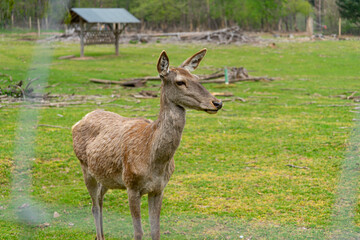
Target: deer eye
[(180, 83)]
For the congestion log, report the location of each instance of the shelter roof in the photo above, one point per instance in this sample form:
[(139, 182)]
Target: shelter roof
[(102, 15)]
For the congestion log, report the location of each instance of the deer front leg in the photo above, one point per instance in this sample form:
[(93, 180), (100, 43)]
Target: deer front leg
[(155, 201), (134, 203)]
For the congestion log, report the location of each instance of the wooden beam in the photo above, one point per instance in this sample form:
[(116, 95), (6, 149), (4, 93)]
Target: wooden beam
[(117, 33), (81, 37)]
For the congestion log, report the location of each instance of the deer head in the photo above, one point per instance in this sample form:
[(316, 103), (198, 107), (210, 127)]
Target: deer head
[(182, 88)]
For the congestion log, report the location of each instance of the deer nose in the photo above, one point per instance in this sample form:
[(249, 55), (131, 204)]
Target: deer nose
[(217, 104)]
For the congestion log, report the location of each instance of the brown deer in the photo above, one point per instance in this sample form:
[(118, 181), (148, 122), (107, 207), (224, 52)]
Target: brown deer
[(137, 154)]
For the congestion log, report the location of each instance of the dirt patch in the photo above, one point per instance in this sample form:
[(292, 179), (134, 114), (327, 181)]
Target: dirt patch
[(82, 58)]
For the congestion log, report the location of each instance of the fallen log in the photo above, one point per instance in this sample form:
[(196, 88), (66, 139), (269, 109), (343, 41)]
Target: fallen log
[(252, 79), (66, 57), (136, 82), (235, 74), (148, 78), (95, 80), (294, 166)]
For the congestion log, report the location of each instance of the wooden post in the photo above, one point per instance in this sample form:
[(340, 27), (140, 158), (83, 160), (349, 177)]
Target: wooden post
[(81, 37), (117, 33), (38, 26), (339, 27), (30, 23)]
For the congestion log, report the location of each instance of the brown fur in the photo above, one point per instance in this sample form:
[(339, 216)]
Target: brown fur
[(136, 154)]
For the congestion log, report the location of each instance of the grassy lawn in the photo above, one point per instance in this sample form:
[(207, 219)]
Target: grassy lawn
[(232, 177)]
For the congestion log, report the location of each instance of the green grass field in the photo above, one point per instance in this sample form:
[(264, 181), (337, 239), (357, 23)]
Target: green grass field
[(232, 178)]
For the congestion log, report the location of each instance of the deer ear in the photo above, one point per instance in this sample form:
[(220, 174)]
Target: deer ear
[(192, 63), (163, 63)]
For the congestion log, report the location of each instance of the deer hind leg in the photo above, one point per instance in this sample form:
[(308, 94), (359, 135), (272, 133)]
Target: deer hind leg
[(97, 192), (134, 203), (155, 201), (100, 197)]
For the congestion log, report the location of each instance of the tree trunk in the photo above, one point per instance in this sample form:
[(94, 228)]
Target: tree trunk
[(310, 26), (208, 14), (46, 23), (339, 27), (38, 26), (12, 20), (287, 24), (295, 23), (280, 25), (190, 16)]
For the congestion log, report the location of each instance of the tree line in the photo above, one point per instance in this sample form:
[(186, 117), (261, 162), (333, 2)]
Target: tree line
[(189, 15)]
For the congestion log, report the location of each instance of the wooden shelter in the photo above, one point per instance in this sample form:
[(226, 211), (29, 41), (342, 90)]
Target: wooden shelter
[(101, 25)]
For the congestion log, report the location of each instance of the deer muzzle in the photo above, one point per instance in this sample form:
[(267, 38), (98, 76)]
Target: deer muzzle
[(217, 106)]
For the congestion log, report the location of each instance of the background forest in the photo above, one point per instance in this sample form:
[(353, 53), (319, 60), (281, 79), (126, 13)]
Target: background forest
[(194, 15)]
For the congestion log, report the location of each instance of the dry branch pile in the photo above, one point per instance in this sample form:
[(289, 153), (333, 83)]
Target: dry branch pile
[(352, 96), (222, 36), (20, 90), (145, 94)]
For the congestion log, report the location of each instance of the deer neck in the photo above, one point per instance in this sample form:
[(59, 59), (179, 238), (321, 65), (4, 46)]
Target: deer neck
[(169, 127)]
